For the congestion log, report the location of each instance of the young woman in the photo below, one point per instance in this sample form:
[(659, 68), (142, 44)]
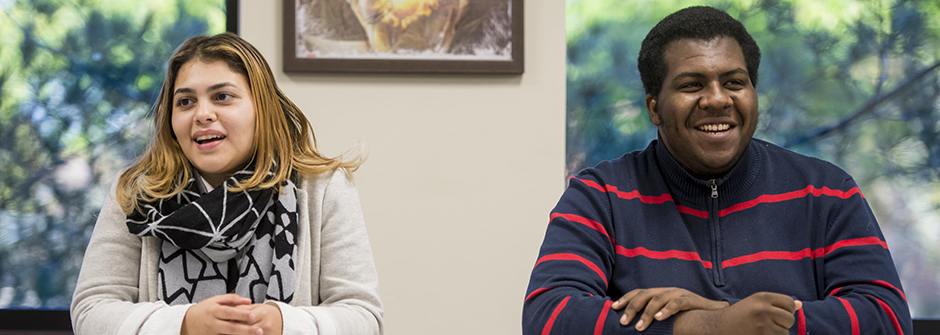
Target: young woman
[(231, 222)]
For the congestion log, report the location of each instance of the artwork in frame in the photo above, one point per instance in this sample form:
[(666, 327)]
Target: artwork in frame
[(403, 36)]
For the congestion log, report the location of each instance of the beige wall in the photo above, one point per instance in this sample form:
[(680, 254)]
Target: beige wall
[(462, 172)]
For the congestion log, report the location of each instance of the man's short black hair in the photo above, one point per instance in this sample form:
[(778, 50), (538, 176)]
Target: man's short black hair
[(700, 23)]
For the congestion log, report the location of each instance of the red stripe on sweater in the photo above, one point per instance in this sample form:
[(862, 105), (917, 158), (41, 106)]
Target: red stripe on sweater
[(879, 283), (646, 199), (852, 316), (683, 255), (573, 257), (690, 211), (873, 240), (797, 255), (551, 320), (767, 255), (537, 292), (599, 327), (801, 323), (809, 190), (890, 312), (591, 183), (585, 221), (888, 285)]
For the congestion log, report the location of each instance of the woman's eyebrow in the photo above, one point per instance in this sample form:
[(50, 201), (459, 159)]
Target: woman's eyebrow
[(211, 88), (184, 90), (220, 85)]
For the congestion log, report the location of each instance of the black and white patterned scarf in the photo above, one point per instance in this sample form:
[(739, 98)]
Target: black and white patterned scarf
[(223, 242)]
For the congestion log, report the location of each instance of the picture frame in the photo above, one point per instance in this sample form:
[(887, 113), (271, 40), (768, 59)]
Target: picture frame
[(404, 36)]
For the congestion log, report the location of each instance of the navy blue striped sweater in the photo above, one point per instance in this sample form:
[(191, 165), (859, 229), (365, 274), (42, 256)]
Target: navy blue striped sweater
[(778, 222)]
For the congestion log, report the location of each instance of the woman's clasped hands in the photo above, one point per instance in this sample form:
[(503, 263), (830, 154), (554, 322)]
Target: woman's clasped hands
[(232, 314)]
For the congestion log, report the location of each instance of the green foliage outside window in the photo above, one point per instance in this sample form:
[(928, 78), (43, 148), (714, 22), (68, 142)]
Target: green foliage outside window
[(854, 82), (77, 79)]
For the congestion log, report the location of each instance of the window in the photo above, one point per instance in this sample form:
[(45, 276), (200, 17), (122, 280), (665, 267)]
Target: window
[(77, 84)]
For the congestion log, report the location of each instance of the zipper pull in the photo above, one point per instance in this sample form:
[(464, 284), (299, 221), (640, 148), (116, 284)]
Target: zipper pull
[(714, 190)]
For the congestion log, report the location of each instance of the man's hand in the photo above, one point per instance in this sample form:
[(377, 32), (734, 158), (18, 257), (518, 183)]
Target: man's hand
[(660, 303), (221, 315), (268, 317), (759, 314)]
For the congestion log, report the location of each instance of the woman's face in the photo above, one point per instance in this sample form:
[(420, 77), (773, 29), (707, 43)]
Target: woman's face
[(213, 118)]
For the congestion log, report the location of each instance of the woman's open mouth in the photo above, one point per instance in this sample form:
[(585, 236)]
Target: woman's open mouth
[(205, 142)]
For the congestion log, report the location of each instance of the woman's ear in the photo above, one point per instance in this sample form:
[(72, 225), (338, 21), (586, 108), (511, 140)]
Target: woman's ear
[(652, 108)]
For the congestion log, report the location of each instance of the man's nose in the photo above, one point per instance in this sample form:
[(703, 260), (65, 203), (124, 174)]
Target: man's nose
[(715, 97)]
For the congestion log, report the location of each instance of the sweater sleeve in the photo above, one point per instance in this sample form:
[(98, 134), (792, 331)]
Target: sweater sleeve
[(105, 298), (348, 283), (568, 285), (863, 291)]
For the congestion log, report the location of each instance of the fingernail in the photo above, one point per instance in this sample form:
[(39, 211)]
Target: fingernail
[(658, 315), (259, 332), (251, 316), (639, 324), (623, 320)]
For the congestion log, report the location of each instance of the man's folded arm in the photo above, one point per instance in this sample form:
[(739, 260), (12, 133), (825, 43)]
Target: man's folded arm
[(862, 287), (568, 285)]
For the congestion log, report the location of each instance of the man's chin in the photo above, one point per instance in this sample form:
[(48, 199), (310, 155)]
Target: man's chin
[(714, 166)]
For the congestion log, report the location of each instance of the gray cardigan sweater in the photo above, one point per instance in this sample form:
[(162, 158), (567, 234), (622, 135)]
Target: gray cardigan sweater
[(336, 289)]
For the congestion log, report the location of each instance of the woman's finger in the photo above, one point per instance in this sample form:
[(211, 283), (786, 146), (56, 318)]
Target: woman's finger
[(230, 299), (234, 314)]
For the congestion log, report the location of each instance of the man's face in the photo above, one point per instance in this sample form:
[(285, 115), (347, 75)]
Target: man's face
[(707, 109)]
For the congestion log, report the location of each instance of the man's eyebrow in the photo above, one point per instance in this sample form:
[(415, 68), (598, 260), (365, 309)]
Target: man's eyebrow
[(735, 71), (211, 88), (700, 75), (688, 75)]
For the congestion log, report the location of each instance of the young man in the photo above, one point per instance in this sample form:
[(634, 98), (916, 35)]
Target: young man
[(708, 231)]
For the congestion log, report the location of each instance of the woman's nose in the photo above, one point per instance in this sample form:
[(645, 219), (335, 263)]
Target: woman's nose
[(205, 113)]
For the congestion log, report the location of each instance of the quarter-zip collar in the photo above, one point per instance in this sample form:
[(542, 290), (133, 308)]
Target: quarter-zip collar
[(711, 195), (690, 189)]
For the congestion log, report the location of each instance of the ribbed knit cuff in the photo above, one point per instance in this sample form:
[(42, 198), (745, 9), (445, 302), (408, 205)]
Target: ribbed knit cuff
[(661, 327)]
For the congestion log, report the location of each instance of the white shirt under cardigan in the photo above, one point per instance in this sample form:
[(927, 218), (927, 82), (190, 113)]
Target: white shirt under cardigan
[(117, 287)]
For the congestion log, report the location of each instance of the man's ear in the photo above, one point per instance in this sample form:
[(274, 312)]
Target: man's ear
[(652, 108)]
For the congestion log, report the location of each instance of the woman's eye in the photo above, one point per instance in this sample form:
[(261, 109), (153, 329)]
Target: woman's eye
[(183, 102), (223, 96)]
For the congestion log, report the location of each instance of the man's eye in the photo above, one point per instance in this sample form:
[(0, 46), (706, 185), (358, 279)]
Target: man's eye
[(689, 86), (735, 84)]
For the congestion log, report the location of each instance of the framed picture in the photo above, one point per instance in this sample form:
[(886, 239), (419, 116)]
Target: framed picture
[(403, 36)]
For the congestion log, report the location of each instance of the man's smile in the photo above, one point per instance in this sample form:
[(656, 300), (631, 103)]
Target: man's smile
[(714, 128)]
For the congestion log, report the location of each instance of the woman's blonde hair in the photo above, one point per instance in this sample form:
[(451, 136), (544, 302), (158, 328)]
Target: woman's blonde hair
[(284, 142)]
